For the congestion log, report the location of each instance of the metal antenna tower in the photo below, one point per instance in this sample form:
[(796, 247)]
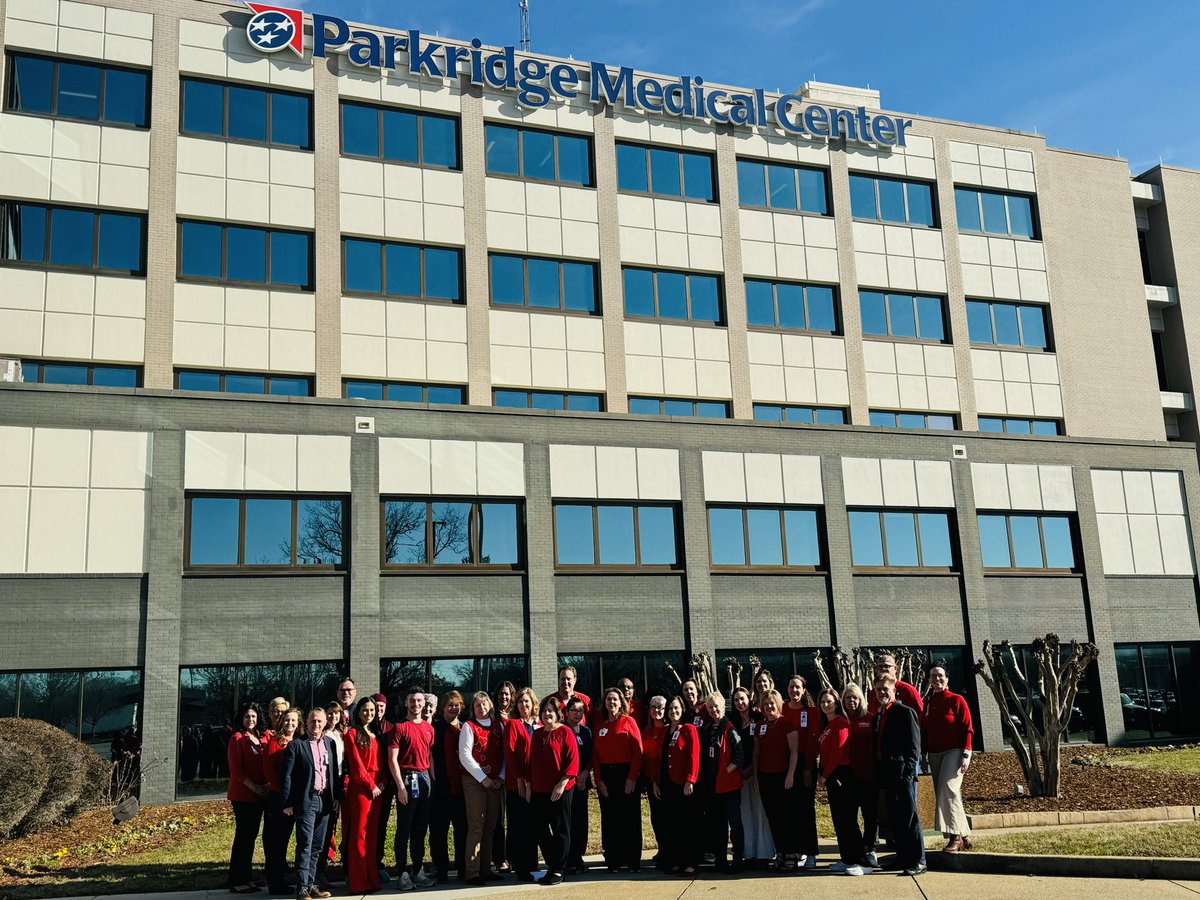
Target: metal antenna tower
[(525, 26)]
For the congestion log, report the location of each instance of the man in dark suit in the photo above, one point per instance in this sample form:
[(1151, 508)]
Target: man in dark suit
[(897, 744), (311, 785)]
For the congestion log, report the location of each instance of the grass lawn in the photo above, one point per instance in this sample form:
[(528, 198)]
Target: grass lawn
[(1173, 762), (1181, 840)]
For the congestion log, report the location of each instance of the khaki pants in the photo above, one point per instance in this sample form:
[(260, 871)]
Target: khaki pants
[(951, 818), (483, 811)]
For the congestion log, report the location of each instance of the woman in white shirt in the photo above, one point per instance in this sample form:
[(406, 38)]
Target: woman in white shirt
[(481, 754)]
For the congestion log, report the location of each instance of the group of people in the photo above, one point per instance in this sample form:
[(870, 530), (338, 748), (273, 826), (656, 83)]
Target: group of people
[(728, 786)]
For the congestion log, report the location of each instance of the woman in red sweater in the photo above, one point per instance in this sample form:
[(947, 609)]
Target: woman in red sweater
[(806, 718), (616, 763), (862, 768), (653, 739), (946, 732), (247, 792), (554, 763), (521, 849), (366, 774), (837, 778), (675, 786), (776, 755)]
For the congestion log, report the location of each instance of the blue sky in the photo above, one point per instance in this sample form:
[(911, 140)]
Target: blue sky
[(1067, 69)]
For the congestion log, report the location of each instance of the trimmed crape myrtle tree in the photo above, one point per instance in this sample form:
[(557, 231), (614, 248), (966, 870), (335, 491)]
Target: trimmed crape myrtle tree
[(1051, 684)]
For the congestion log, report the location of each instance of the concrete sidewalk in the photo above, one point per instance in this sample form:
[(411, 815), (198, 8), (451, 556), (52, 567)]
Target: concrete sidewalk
[(819, 884)]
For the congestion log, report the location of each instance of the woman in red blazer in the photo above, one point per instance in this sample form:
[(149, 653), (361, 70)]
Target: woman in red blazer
[(247, 792), (366, 774), (521, 849), (616, 764), (653, 739), (676, 787), (722, 756)]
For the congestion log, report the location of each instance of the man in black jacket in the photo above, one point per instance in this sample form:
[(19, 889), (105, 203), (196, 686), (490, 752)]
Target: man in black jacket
[(897, 744), (311, 786)]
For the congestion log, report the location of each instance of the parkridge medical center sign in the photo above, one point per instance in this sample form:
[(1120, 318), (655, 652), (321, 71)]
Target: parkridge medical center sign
[(535, 81)]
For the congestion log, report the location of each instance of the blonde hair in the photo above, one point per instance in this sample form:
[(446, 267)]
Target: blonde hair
[(481, 695), (525, 692), (624, 710), (715, 695), (773, 695), (853, 690)]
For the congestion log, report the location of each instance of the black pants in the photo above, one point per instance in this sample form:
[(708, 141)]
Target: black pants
[(248, 816), (866, 800), (900, 800), (806, 810), (723, 820), (620, 818), (522, 848), (446, 809), (843, 809), (658, 824), (385, 815), (277, 833), (579, 827), (551, 820), (779, 804), (412, 823), (681, 820)]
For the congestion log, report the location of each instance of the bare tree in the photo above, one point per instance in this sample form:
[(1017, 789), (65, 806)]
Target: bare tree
[(857, 666), (321, 532), (700, 670), (1052, 682)]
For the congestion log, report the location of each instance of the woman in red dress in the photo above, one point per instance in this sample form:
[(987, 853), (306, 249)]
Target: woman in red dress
[(366, 772)]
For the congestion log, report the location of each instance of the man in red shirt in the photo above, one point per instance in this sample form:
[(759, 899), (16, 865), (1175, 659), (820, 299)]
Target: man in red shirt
[(885, 664), (409, 760), (566, 690)]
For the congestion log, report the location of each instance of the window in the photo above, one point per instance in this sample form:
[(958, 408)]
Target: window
[(1157, 684), (95, 706), (900, 539), (538, 155), (995, 425), (891, 200), (458, 532), (681, 296), (778, 186), (782, 304), (440, 676), (66, 89), (615, 534), (516, 399), (649, 672), (1007, 324), (993, 212), (804, 415), (406, 392), (400, 135), (209, 698), (902, 316), (239, 112), (90, 240), (881, 418), (245, 254), (36, 371), (673, 406), (243, 383), (665, 173), (1029, 541), (769, 537), (265, 531), (1086, 712), (543, 283), (401, 270)]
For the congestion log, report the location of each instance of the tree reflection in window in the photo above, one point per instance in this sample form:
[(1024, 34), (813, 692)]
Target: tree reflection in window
[(450, 532)]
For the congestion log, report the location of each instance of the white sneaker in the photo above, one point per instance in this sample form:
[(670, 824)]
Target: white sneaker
[(810, 862), (406, 883), (423, 880), (838, 866), (854, 870)]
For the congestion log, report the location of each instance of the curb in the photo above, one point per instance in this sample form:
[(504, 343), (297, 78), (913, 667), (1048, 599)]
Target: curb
[(977, 863), (1083, 817)]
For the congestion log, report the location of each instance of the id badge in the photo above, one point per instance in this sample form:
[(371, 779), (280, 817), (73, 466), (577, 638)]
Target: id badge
[(603, 732), (804, 719), (712, 752), (762, 729)]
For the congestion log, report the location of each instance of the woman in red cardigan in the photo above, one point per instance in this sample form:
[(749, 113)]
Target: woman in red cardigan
[(838, 779), (653, 739), (247, 792), (521, 849), (554, 764), (366, 773), (806, 718), (616, 763), (722, 756), (676, 787), (946, 732)]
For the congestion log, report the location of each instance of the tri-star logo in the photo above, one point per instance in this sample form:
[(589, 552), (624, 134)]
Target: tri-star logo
[(272, 28)]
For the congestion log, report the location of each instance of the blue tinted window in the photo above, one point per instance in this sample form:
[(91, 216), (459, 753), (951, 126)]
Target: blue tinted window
[(706, 304), (766, 538), (247, 254), (866, 540), (760, 303), (360, 130), (935, 540), (71, 234), (268, 533), (920, 204), (697, 177), (822, 316), (665, 172), (873, 307), (405, 393), (404, 528), (632, 174), (544, 288), (803, 540), (203, 107), (678, 408), (120, 245), (1045, 428), (247, 113), (639, 292), (1007, 330), (32, 84), (902, 315), (813, 191), (830, 416), (285, 386), (862, 197), (364, 390), (966, 206), (498, 534), (363, 266), (929, 319), (63, 373), (290, 258), (579, 286), (991, 425), (537, 155), (672, 295), (502, 150), (995, 220), (993, 542), (1060, 551), (781, 185), (114, 376), (23, 232), (245, 384), (574, 160), (125, 97), (656, 536), (711, 409), (78, 91), (789, 299), (979, 322), (911, 420), (442, 274), (1033, 327), (879, 419), (765, 412), (403, 263), (1026, 542), (400, 141), (290, 120), (900, 531), (1020, 216), (615, 531), (546, 400), (891, 200), (214, 531), (574, 534), (583, 402), (451, 533), (445, 394), (508, 280), (752, 188), (727, 541), (645, 406), (439, 142), (318, 532), (939, 423), (201, 250), (200, 381), (511, 399)]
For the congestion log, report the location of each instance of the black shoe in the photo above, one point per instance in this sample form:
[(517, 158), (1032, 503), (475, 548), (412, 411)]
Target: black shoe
[(636, 867), (493, 876), (474, 881), (613, 870), (919, 869), (552, 878), (443, 878), (525, 876)]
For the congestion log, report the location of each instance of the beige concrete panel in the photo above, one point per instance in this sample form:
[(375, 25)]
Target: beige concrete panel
[(14, 509), (990, 483), (1023, 487), (616, 473), (658, 474), (404, 466), (214, 461), (1176, 545), (899, 482), (1147, 553), (724, 477), (1058, 487), (764, 477), (802, 480), (120, 459), (16, 449), (573, 471), (61, 457), (453, 467), (270, 462), (1168, 492), (57, 538), (935, 487), (501, 469), (116, 529), (863, 481), (1139, 495), (1108, 492), (1115, 547)]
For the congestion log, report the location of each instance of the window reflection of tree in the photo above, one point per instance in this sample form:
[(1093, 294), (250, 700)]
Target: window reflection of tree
[(320, 534)]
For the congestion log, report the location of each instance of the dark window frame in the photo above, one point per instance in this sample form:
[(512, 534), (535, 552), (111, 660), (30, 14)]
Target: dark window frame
[(888, 293), (561, 309), (955, 567), (933, 201), (268, 231), (82, 673), (784, 407), (1040, 514), (782, 508), (423, 385), (90, 366), (10, 81), (383, 271), (722, 307), (637, 566), (679, 152), (1016, 305), (916, 412), (1005, 419), (270, 91), (796, 169), (224, 373), (838, 325), (1171, 648), (566, 395), (691, 400), (241, 567), (420, 115), (521, 130), (476, 517), (97, 211), (1035, 219)]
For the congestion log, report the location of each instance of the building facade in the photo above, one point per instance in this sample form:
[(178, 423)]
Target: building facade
[(332, 369)]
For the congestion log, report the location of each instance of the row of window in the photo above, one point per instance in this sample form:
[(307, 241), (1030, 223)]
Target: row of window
[(308, 532), (116, 95)]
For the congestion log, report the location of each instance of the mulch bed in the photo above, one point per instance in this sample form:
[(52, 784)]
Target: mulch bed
[(990, 782)]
